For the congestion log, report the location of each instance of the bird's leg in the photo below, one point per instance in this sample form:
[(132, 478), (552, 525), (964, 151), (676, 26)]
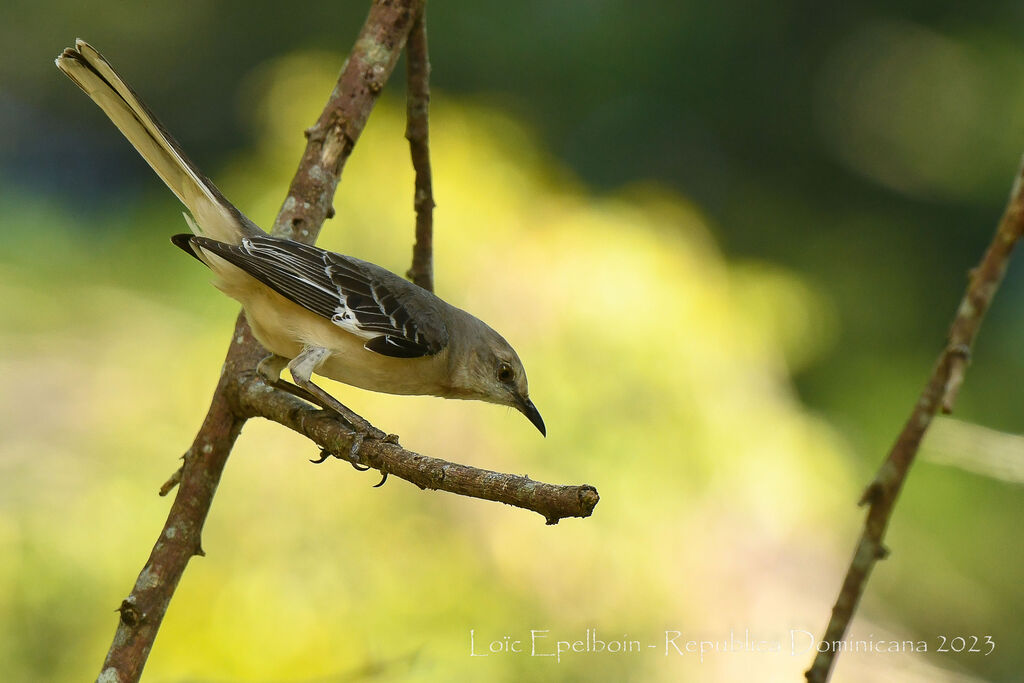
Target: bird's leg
[(302, 367), (270, 370), (270, 367)]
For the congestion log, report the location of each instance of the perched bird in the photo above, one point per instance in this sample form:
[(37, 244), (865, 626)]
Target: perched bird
[(315, 310)]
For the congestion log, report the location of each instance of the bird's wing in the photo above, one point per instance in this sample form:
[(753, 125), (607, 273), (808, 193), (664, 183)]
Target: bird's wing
[(358, 297)]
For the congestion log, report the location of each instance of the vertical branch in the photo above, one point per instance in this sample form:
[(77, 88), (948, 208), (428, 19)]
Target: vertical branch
[(331, 140), (939, 394), (417, 132)]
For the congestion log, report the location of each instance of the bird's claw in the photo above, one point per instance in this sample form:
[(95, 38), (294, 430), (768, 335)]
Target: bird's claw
[(358, 437), (324, 454)]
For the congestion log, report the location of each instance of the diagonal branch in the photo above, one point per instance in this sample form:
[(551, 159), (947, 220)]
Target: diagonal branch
[(417, 132), (939, 394)]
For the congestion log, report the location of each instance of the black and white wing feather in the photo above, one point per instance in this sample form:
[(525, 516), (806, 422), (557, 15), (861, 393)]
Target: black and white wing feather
[(359, 297)]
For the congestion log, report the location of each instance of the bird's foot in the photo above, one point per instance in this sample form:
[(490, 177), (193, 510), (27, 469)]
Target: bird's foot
[(353, 458)]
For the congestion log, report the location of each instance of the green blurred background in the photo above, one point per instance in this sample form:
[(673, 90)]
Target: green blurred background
[(726, 239)]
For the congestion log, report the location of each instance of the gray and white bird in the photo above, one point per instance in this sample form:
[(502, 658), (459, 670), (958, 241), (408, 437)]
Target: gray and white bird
[(315, 310)]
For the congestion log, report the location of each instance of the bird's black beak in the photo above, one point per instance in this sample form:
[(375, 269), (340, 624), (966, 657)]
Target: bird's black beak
[(527, 408)]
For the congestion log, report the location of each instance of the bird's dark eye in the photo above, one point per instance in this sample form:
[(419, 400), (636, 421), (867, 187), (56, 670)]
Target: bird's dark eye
[(505, 373)]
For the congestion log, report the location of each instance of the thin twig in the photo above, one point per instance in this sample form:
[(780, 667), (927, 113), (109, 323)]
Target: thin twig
[(417, 132), (939, 393), (173, 480), (308, 203), (326, 430)]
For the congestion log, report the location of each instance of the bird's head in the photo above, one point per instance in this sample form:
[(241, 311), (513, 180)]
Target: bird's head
[(488, 369)]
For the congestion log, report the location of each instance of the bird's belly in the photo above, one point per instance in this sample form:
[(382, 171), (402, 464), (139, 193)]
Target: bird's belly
[(274, 325), (283, 327), (369, 370)]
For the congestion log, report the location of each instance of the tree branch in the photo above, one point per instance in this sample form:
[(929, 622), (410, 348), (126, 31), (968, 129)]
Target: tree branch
[(256, 399), (240, 394), (143, 610), (939, 393), (417, 133), (308, 203)]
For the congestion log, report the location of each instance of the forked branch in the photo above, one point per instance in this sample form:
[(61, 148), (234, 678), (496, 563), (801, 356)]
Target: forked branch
[(240, 394)]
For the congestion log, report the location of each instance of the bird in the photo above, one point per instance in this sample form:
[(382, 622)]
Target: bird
[(313, 310)]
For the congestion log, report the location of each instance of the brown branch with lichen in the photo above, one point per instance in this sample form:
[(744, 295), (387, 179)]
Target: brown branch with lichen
[(551, 501), (240, 394), (939, 394), (307, 205), (417, 133)]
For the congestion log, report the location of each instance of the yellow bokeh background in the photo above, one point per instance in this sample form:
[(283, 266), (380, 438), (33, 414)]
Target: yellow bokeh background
[(661, 369)]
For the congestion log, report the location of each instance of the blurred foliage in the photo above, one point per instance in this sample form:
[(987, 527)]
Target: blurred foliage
[(723, 337)]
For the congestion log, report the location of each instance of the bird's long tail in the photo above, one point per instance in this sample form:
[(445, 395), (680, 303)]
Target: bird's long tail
[(214, 215)]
